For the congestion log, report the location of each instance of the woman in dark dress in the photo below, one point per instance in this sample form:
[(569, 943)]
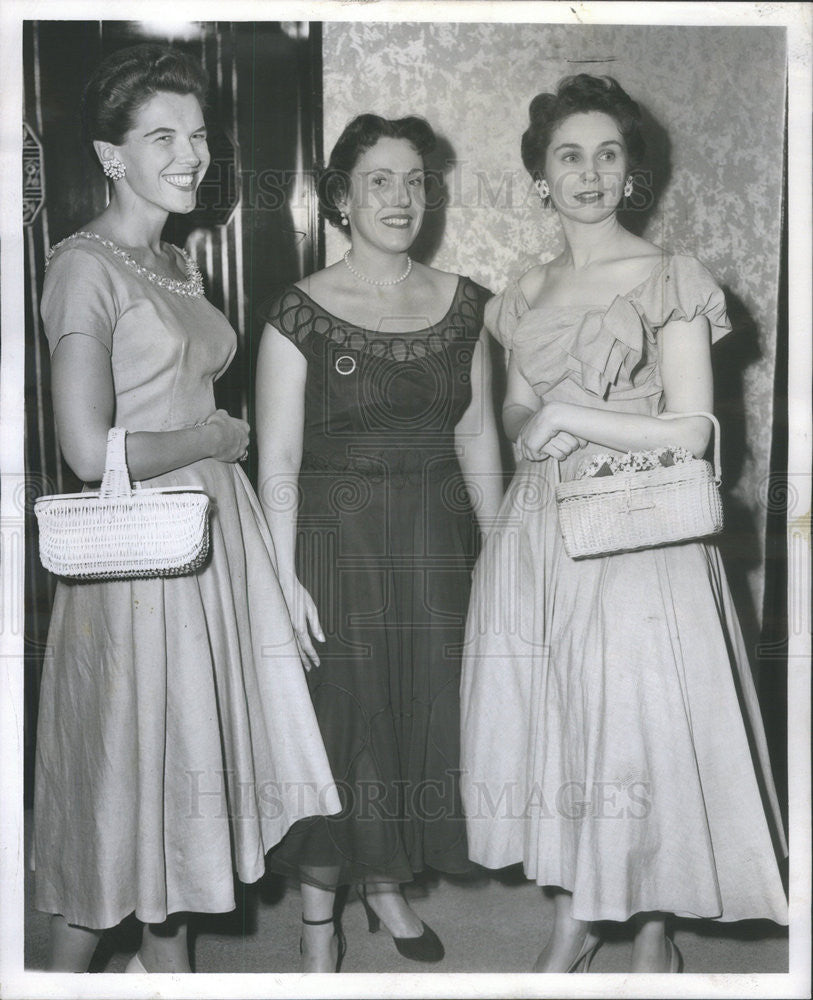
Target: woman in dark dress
[(377, 438)]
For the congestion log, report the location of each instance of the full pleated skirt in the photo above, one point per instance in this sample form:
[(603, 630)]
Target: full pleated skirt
[(176, 738), (612, 740)]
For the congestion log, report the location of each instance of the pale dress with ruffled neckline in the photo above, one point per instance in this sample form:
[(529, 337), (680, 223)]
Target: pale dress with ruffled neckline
[(612, 740)]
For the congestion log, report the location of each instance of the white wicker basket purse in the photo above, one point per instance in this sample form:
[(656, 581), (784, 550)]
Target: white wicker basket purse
[(642, 510), (118, 532)]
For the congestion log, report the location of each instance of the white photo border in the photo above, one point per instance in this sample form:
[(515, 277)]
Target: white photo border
[(15, 981)]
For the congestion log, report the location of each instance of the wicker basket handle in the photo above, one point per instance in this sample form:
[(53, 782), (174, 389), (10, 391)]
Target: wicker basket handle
[(557, 473), (116, 481), (716, 427)]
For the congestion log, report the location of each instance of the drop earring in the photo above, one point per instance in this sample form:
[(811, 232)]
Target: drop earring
[(628, 188), (544, 190), (345, 221), (114, 169)]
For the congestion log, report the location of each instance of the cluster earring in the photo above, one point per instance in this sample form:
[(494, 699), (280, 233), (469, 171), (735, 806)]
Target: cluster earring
[(628, 188), (543, 189), (114, 169), (345, 221)]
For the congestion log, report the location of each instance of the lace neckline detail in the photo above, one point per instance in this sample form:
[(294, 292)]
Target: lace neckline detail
[(191, 288), (300, 318), (378, 334)]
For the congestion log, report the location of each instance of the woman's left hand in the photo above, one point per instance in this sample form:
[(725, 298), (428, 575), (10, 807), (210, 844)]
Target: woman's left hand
[(541, 437)]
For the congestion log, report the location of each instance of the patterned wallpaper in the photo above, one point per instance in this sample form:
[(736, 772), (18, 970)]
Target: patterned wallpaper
[(714, 103)]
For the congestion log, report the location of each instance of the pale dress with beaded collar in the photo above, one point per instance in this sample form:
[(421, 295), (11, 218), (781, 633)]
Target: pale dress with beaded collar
[(176, 738)]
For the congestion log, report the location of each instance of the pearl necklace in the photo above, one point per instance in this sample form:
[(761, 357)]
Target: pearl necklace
[(192, 287), (372, 281)]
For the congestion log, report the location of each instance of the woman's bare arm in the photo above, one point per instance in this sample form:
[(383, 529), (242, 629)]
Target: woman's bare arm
[(280, 409), (84, 408), (520, 406), (477, 442), (685, 362)]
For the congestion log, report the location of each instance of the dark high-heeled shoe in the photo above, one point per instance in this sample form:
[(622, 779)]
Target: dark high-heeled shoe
[(426, 948), (338, 933)]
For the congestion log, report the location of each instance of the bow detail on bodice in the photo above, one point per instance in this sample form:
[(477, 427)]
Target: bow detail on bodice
[(600, 349), (612, 350)]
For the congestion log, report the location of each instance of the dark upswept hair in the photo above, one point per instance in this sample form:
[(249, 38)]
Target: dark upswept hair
[(127, 79), (359, 135), (577, 95)]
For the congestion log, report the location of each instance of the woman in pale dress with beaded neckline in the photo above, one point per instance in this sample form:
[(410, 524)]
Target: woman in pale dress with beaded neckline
[(176, 739)]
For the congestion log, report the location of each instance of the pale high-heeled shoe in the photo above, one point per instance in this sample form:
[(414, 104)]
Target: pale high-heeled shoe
[(591, 944), (675, 957), (135, 965)]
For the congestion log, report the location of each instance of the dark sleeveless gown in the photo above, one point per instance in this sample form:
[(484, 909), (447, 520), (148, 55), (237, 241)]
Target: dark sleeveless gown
[(385, 546)]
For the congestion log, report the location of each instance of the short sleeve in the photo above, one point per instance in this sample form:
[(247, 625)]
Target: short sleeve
[(468, 309), (684, 290), (503, 313), (78, 297), (291, 313)]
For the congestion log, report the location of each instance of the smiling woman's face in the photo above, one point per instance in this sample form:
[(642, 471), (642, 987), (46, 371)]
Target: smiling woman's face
[(165, 152), (386, 198), (586, 165)]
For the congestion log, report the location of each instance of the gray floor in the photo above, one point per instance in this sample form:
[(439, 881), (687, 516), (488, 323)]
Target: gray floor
[(492, 923)]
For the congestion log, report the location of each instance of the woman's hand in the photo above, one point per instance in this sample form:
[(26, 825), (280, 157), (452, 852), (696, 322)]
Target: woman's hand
[(228, 436), (305, 619), (541, 437), (559, 447)]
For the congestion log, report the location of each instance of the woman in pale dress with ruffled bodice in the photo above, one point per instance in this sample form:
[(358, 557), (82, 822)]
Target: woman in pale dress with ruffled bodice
[(612, 740)]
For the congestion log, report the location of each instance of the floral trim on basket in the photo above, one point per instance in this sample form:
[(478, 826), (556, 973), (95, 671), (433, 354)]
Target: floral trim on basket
[(633, 461)]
